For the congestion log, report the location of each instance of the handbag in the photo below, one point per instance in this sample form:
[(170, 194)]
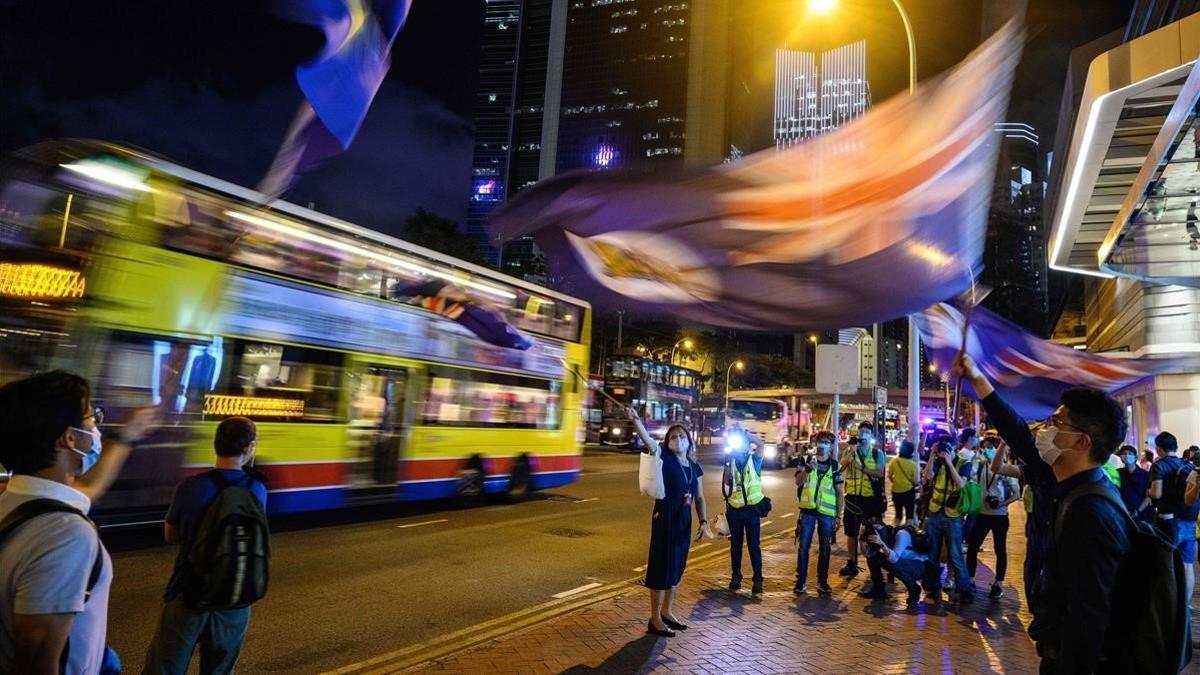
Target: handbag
[(722, 525), (650, 475), (763, 508)]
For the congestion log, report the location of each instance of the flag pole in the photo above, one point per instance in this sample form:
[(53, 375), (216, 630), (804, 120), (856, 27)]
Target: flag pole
[(963, 347)]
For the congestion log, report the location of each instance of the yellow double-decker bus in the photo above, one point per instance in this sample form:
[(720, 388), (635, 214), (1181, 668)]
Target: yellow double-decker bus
[(167, 287)]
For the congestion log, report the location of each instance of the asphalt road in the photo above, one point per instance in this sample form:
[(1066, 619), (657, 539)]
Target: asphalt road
[(346, 587)]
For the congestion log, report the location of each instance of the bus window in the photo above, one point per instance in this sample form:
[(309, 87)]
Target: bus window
[(269, 381), (467, 398)]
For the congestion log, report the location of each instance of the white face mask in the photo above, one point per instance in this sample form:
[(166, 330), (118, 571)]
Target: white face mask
[(679, 444), (92, 454), (1046, 448)]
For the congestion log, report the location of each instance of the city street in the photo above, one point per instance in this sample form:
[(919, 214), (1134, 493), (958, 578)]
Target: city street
[(344, 589)]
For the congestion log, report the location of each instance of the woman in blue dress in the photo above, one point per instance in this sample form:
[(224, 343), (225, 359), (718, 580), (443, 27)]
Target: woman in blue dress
[(671, 524)]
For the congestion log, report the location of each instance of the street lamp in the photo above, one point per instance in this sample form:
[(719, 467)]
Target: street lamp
[(740, 365), (812, 339), (914, 337), (687, 344)]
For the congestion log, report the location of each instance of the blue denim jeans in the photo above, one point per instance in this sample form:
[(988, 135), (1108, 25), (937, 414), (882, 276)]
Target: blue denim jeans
[(946, 531), (218, 633), (744, 526), (823, 526)]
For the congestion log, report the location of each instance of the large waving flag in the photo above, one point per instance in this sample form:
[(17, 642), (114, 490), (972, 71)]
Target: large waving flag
[(876, 220), (443, 298), (339, 83), (1029, 373)]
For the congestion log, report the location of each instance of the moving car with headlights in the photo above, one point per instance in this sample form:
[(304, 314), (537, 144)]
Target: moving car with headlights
[(766, 420)]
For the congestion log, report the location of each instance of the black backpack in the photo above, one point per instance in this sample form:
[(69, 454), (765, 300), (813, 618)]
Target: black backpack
[(228, 563), (1149, 610), (1174, 486)]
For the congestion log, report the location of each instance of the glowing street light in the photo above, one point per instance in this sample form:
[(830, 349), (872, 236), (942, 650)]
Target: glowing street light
[(821, 6), (685, 342), (740, 365)]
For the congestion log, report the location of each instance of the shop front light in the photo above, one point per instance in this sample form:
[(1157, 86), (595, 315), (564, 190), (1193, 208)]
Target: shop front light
[(770, 451)]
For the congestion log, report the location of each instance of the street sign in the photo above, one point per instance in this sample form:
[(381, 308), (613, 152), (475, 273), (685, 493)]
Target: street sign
[(881, 396), (838, 369)]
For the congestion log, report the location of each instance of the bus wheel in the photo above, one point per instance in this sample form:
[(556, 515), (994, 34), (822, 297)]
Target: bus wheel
[(521, 480), (468, 488)]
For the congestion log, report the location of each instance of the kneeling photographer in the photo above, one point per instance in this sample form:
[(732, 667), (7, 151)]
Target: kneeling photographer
[(902, 552)]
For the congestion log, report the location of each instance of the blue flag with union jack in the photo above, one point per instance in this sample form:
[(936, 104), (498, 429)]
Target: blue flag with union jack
[(1029, 373), (442, 298), (876, 220)]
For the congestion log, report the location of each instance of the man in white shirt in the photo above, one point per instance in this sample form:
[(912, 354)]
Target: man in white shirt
[(54, 572)]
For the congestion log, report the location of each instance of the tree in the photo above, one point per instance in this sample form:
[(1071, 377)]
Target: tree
[(443, 235)]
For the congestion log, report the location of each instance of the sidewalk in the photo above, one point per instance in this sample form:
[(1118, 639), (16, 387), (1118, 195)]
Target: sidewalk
[(779, 633)]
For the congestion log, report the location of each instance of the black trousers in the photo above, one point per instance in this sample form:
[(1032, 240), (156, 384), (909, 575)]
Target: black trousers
[(906, 504), (998, 527)]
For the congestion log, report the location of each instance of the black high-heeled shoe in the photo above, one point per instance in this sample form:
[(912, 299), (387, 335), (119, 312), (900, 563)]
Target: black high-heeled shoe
[(673, 625), (661, 633)]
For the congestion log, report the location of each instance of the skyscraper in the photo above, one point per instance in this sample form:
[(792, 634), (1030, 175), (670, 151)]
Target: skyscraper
[(565, 86), (810, 101), (1015, 254)]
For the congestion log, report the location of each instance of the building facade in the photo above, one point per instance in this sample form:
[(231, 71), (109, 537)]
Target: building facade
[(1118, 206), (816, 95)]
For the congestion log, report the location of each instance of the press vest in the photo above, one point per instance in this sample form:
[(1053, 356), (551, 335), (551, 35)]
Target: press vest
[(1113, 474), (820, 494), (752, 482), (941, 487), (857, 480)]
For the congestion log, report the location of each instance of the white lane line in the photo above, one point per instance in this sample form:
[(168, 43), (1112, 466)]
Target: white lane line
[(580, 589), (427, 522), (766, 523), (699, 546), (640, 569), (589, 499), (787, 515)]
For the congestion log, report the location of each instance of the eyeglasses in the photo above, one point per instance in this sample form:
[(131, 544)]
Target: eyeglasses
[(97, 415)]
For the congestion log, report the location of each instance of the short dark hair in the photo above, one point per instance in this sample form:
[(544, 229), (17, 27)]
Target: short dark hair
[(234, 435), (866, 426), (824, 433), (966, 434), (34, 413), (1099, 416), (907, 449), (1166, 442), (1126, 449)]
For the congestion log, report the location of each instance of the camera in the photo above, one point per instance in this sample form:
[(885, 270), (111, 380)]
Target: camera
[(993, 502)]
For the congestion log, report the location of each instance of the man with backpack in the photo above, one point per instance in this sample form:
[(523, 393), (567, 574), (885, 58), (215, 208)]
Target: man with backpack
[(218, 518), (53, 567), (1110, 596), (1168, 485)]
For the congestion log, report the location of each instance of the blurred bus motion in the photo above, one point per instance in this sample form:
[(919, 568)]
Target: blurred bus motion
[(167, 287)]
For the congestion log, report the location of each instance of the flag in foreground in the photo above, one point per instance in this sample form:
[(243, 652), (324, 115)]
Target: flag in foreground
[(338, 83), (1029, 373), (876, 220)]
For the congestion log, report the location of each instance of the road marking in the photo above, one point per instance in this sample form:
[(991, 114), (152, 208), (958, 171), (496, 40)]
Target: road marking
[(767, 522), (640, 569), (698, 546), (427, 522), (787, 515), (589, 499), (573, 591)]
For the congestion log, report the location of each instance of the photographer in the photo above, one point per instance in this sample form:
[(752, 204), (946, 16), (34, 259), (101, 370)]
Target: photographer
[(904, 553), (864, 466), (820, 489), (946, 476), (999, 491), (745, 504)]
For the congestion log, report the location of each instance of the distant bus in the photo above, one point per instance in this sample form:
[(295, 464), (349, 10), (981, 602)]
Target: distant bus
[(662, 392), (167, 287)]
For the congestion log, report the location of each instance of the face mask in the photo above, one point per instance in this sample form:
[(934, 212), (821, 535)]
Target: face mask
[(92, 455), (1046, 448), (989, 453), (679, 444), (1130, 459), (824, 449), (974, 443)]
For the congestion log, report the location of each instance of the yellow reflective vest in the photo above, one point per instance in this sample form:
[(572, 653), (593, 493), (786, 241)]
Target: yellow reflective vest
[(819, 492), (750, 480), (857, 481), (942, 486)]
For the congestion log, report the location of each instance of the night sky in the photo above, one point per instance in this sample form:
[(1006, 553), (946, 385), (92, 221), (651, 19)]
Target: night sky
[(210, 84)]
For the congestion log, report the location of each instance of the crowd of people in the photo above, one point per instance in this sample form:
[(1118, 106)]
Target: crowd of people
[(1110, 537), (55, 574)]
